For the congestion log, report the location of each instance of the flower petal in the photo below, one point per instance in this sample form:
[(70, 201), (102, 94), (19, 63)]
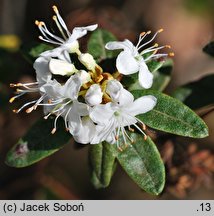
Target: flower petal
[(79, 32), (126, 45), (52, 89), (126, 63), (142, 105), (71, 87), (126, 98), (102, 113), (94, 95), (43, 73), (145, 76), (114, 88), (86, 131), (60, 67)]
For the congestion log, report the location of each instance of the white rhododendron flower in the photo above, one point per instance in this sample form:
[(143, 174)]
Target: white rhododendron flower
[(93, 103), (131, 59), (113, 117), (68, 42)]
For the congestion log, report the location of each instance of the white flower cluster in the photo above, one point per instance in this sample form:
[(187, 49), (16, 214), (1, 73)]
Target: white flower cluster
[(94, 105)]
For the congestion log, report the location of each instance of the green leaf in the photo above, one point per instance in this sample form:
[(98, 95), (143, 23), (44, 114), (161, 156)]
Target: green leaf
[(209, 48), (32, 50), (97, 42), (37, 144), (162, 76), (196, 94), (172, 116), (102, 163), (142, 162)]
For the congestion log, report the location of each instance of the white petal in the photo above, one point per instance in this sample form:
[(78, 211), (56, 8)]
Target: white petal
[(42, 70), (86, 131), (126, 98), (61, 67), (114, 88), (102, 113), (71, 87), (126, 63), (142, 105), (145, 76), (125, 45), (94, 95), (52, 53), (105, 133), (79, 32), (52, 89), (81, 109)]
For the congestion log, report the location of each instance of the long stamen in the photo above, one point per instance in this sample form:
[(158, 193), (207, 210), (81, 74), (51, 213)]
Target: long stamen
[(61, 21), (142, 36), (145, 136), (46, 33), (22, 84), (25, 105), (59, 27), (48, 41), (159, 31), (55, 122), (156, 48), (15, 97), (66, 116)]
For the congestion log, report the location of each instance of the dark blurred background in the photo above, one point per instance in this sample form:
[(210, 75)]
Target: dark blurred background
[(188, 27)]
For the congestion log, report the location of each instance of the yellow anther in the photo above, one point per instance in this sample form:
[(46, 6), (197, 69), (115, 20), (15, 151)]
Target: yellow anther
[(131, 129), (168, 46), (29, 110), (53, 131), (156, 45), (12, 99), (142, 33), (145, 137), (55, 9), (160, 30), (144, 127), (54, 17), (148, 32), (171, 54), (37, 22), (116, 137), (15, 111), (99, 78), (49, 101)]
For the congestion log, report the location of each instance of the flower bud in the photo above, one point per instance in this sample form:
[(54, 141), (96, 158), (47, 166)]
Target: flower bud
[(88, 61), (60, 67), (84, 76)]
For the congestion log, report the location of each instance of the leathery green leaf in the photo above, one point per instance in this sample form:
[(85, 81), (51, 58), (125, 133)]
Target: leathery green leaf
[(142, 162), (37, 144), (102, 164), (172, 116)]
